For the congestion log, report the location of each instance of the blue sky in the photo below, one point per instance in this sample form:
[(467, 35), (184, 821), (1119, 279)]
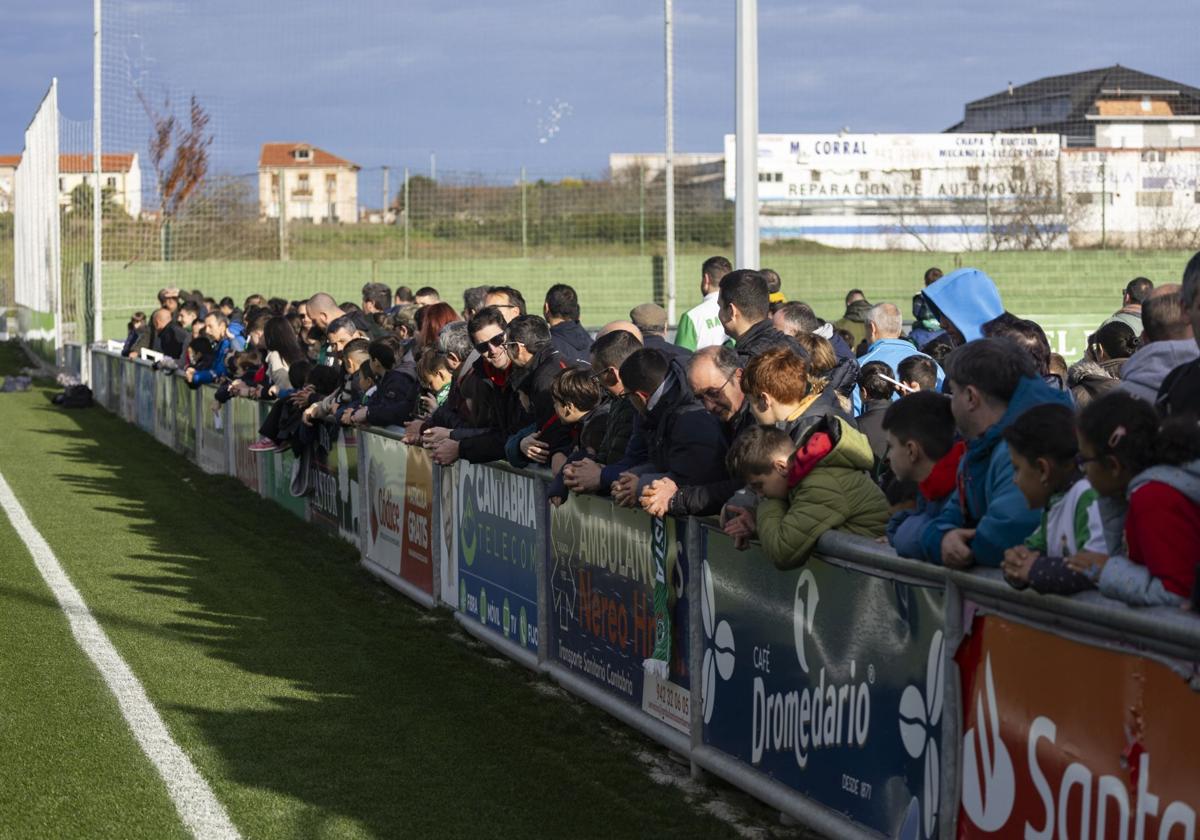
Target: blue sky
[(480, 83)]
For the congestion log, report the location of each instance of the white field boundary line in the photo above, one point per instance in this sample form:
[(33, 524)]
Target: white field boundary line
[(198, 807)]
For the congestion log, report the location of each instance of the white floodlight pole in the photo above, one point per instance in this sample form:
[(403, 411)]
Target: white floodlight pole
[(669, 37), (746, 208)]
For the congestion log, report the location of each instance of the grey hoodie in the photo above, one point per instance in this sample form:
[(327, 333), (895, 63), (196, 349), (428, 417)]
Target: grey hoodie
[(1131, 582), (1149, 366)]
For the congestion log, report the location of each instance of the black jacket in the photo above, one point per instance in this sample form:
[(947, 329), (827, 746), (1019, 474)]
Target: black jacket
[(870, 423), (496, 407), (172, 341), (763, 337), (395, 397), (535, 384), (844, 377), (572, 342), (1180, 391), (671, 351), (708, 499), (618, 428), (683, 441)]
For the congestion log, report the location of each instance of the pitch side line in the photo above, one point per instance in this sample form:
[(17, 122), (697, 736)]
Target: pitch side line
[(198, 807)]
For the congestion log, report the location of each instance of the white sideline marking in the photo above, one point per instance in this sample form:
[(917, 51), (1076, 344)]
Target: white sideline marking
[(198, 807)]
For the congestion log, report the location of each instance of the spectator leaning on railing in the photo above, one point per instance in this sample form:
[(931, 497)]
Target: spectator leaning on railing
[(992, 382)]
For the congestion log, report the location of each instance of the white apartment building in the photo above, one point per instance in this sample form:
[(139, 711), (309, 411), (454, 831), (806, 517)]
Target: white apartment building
[(306, 183), (120, 177)]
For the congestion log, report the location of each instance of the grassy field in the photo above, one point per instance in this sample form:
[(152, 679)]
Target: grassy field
[(315, 702)]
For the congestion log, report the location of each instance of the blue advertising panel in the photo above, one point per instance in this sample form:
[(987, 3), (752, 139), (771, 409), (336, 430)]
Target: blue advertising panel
[(600, 570), (499, 549), (829, 681), (144, 397)]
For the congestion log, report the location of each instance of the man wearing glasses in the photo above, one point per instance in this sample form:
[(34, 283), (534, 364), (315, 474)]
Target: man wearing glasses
[(715, 378), (508, 300)]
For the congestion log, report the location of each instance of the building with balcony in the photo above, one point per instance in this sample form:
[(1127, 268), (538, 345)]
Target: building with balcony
[(306, 183)]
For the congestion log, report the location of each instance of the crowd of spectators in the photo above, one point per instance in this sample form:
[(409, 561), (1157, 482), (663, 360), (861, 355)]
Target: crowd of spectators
[(959, 437)]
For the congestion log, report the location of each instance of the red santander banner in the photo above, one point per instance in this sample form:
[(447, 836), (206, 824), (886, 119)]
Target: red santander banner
[(400, 514), (1064, 739)]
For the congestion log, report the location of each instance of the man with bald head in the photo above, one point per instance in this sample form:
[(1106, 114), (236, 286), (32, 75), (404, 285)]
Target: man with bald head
[(884, 344), (169, 338), (620, 326), (1167, 343)]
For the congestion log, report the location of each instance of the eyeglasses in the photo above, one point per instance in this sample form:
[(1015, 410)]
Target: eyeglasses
[(711, 394), (482, 347), (605, 377), (1080, 460), (511, 346)]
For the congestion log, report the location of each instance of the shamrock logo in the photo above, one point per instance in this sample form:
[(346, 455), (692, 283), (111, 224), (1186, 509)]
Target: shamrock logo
[(920, 719)]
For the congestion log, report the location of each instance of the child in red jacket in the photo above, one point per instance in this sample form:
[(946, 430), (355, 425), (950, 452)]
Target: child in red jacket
[(1126, 454)]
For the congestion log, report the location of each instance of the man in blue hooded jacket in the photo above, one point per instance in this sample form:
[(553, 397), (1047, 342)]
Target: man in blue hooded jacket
[(993, 382), (964, 300)]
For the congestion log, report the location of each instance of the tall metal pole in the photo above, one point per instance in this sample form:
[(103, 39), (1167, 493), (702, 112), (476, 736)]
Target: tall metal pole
[(383, 210), (670, 160), (407, 213), (746, 209), (97, 221)]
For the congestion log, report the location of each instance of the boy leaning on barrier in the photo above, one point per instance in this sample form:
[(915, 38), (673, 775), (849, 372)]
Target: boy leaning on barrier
[(921, 447), (577, 408), (810, 487)]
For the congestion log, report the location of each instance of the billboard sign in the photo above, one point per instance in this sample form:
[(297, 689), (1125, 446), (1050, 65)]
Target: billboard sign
[(828, 680)]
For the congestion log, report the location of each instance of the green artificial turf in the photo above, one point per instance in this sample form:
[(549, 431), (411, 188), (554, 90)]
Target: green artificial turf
[(314, 701), (69, 767)]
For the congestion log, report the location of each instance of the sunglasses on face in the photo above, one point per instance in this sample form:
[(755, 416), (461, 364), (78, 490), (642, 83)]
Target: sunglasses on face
[(482, 347)]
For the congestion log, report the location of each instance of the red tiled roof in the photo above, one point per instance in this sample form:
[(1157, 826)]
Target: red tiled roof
[(276, 155), (76, 163)]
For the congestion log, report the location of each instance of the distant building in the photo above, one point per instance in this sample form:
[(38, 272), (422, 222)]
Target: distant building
[(307, 182), (8, 174), (649, 165), (120, 178), (1113, 107)]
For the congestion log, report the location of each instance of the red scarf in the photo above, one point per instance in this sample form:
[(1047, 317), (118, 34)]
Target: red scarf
[(941, 480), (497, 377)]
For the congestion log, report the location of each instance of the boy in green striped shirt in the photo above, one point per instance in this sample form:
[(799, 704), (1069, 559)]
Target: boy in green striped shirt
[(1043, 449)]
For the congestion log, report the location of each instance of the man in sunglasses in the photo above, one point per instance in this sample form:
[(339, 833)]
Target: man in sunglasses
[(527, 340), (508, 300), (497, 410)]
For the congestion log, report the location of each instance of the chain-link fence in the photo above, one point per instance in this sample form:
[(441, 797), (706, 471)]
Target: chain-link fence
[(1063, 187)]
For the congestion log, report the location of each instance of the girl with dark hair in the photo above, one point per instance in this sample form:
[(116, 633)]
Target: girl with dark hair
[(283, 350), (1100, 369), (1150, 473)]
